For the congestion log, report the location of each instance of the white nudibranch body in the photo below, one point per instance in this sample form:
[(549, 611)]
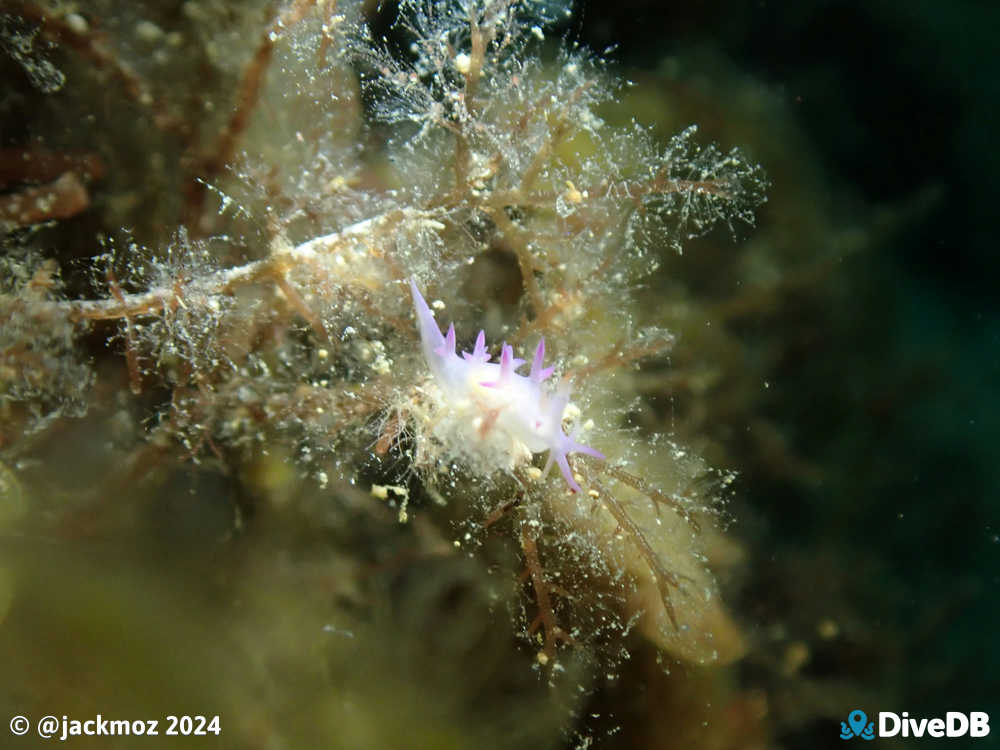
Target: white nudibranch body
[(507, 414)]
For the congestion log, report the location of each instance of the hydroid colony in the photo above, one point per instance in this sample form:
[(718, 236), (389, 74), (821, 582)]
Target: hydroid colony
[(497, 188)]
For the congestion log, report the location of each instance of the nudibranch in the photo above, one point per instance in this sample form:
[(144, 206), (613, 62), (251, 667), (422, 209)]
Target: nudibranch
[(498, 412)]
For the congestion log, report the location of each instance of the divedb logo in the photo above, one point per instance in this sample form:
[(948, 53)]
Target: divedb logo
[(974, 724)]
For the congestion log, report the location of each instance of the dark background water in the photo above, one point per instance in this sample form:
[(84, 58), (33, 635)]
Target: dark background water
[(901, 412)]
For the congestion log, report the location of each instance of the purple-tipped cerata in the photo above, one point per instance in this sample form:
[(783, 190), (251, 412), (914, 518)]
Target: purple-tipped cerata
[(510, 413)]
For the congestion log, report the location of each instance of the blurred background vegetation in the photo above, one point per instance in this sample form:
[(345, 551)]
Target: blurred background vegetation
[(886, 381)]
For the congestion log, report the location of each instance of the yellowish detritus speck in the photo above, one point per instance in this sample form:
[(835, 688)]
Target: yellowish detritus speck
[(381, 491), (827, 629)]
